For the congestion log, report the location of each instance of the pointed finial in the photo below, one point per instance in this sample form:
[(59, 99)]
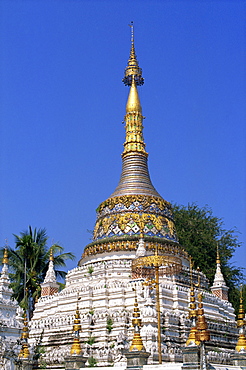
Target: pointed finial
[(5, 257), (218, 255), (131, 25), (51, 255), (192, 312), (132, 71)]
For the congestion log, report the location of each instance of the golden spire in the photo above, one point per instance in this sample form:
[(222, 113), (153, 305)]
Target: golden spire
[(202, 334), (134, 128), (241, 343), (241, 314), (135, 208), (135, 177), (137, 343), (218, 255), (24, 351), (192, 311), (76, 347), (51, 255), (5, 257), (133, 118), (192, 306)]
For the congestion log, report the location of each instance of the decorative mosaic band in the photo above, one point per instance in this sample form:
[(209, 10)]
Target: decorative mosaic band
[(128, 200), (132, 245), (135, 215), (134, 223)]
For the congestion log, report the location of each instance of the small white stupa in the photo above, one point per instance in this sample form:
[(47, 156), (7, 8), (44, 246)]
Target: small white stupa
[(219, 288), (50, 285)]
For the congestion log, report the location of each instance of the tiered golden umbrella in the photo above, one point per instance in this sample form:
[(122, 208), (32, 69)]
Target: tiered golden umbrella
[(76, 346), (241, 343), (24, 351)]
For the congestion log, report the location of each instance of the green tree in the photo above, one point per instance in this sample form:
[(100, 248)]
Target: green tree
[(29, 263), (235, 297), (199, 232)]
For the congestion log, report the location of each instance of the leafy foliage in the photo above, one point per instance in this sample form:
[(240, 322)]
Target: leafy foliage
[(92, 361), (235, 297), (109, 325), (90, 340), (29, 263), (200, 233)]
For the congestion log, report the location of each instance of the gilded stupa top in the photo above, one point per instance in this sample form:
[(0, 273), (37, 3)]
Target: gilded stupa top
[(135, 210), (135, 177)]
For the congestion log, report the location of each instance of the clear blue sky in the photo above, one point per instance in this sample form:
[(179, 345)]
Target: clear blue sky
[(63, 102)]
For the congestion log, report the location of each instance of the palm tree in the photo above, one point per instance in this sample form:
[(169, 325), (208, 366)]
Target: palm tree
[(29, 263)]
